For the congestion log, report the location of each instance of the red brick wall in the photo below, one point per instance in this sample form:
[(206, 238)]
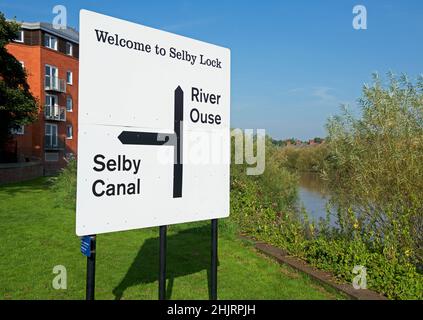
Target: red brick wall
[(31, 144), (31, 56), (20, 172)]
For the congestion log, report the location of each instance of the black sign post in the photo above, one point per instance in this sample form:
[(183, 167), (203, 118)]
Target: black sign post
[(213, 272), (162, 263), (91, 269)]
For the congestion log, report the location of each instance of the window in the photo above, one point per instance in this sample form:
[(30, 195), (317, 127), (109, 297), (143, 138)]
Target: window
[(51, 79), (51, 108), (69, 131), (19, 130), (69, 48), (51, 100), (51, 135), (69, 77), (69, 104), (51, 156), (19, 36), (50, 42)]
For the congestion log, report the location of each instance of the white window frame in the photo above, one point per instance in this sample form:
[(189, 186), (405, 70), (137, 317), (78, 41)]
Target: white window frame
[(70, 53), (53, 76), (53, 137), (20, 131), (71, 132), (69, 98), (54, 107), (21, 32), (56, 99), (70, 74), (47, 41)]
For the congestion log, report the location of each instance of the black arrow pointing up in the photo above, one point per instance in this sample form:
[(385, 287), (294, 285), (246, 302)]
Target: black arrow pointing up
[(178, 122), (158, 139)]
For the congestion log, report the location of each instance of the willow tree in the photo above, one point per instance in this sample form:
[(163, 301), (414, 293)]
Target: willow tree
[(17, 105), (376, 167)]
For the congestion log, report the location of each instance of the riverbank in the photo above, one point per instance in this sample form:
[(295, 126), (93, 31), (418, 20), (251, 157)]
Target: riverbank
[(319, 243), (325, 278)]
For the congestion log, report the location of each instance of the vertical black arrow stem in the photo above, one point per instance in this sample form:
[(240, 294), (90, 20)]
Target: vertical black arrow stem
[(213, 271), (177, 166), (90, 286), (162, 263)]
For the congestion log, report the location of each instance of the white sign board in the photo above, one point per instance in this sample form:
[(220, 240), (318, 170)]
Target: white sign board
[(154, 127)]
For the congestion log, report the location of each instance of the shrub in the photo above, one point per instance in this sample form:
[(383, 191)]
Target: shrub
[(64, 185), (305, 158)]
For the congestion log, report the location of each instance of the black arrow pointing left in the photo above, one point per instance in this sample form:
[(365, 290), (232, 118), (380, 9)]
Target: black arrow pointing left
[(146, 138)]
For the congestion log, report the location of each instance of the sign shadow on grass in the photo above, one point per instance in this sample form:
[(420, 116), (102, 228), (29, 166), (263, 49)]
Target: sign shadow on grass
[(188, 252)]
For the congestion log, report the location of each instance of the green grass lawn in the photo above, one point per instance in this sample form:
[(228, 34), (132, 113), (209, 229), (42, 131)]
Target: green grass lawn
[(36, 234)]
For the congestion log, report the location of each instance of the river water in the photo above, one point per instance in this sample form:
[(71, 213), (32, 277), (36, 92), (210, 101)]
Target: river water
[(313, 196)]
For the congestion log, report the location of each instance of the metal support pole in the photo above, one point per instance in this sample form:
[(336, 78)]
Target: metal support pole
[(162, 263), (91, 270), (213, 272)]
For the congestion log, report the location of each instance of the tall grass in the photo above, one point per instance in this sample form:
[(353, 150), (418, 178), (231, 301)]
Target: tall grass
[(64, 185)]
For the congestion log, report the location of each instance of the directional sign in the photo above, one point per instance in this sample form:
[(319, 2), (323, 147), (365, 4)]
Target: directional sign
[(154, 120)]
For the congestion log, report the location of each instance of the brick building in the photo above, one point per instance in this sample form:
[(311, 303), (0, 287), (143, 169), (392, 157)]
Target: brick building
[(50, 58)]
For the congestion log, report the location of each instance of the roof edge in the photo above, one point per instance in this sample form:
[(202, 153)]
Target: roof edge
[(69, 34)]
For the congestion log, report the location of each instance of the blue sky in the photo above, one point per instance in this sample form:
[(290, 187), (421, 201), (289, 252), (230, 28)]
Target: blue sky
[(293, 62)]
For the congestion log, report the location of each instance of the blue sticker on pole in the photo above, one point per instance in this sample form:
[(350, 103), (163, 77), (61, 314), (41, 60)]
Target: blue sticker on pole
[(86, 246)]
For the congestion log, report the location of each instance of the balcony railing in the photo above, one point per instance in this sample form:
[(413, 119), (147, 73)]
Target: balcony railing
[(55, 84), (54, 143), (56, 113)]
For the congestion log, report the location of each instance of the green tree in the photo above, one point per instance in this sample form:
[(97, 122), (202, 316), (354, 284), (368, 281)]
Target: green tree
[(17, 105), (375, 167)]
